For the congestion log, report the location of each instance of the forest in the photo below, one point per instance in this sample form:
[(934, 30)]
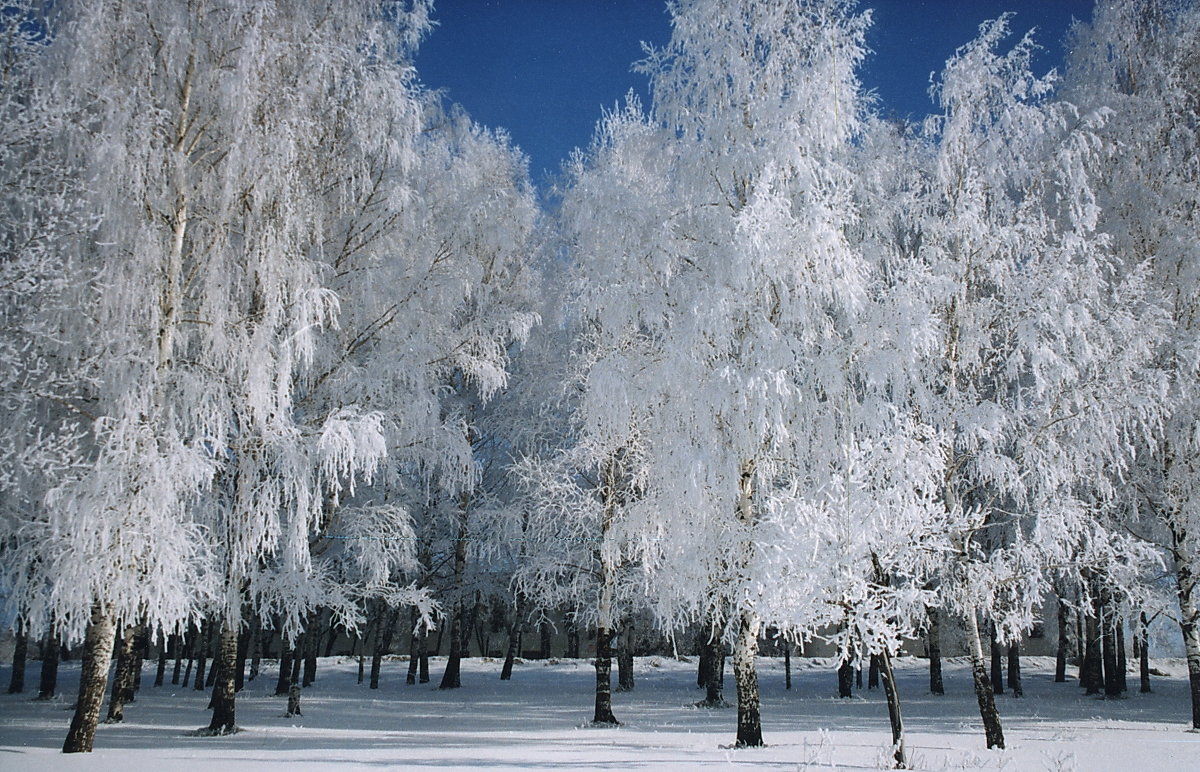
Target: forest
[(294, 352)]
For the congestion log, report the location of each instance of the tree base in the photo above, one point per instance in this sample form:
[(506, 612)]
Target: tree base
[(712, 704), (208, 731), (604, 724)]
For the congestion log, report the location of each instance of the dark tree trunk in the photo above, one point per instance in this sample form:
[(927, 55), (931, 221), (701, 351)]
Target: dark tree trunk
[(745, 676), (873, 672), (285, 669), (242, 654), (1143, 639), (16, 683), (702, 661), (603, 713), (514, 640), (997, 662), (49, 676), (141, 647), (161, 673), (993, 732), (1014, 669), (1091, 676), (93, 677), (202, 654), (256, 647), (712, 660), (572, 640), (293, 691), (122, 687), (845, 678), (1060, 654), (451, 679), (179, 645), (1108, 639), (191, 659), (1122, 663), (787, 664), (224, 694), (890, 690), (625, 659), (934, 643), (384, 633), (313, 639)]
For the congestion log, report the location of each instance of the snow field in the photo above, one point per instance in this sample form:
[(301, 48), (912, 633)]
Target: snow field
[(538, 721)]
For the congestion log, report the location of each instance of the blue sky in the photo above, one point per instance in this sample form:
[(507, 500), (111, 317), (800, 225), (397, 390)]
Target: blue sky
[(544, 69)]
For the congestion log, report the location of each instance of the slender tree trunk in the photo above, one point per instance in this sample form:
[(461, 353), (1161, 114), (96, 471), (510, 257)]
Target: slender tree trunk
[(787, 664), (16, 683), (256, 647), (514, 638), (873, 672), (49, 676), (141, 648), (180, 644), (892, 693), (451, 678), (1189, 619), (625, 659), (1144, 654), (712, 659), (1014, 669), (992, 729), (1060, 655), (224, 694), (293, 691), (603, 713), (1122, 663), (202, 654), (161, 672), (997, 662), (845, 679), (377, 649), (745, 676), (703, 664), (934, 642), (93, 677), (191, 659), (314, 646), (1108, 639), (122, 687), (285, 669), (1092, 673), (243, 654)]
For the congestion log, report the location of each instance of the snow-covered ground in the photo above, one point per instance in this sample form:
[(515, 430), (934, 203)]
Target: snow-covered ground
[(538, 721)]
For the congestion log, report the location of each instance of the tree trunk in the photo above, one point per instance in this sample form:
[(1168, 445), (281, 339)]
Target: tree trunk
[(93, 677), (181, 642), (141, 647), (202, 654), (256, 648), (451, 679), (1189, 619), (1144, 654), (122, 687), (49, 675), (161, 673), (1108, 639), (625, 659), (243, 653), (1060, 654), (313, 639), (224, 694), (285, 669), (603, 713), (712, 659), (16, 683), (1091, 675), (873, 672), (934, 642), (845, 679), (892, 693), (745, 676), (1122, 663), (992, 729), (514, 638), (997, 662), (1014, 669), (787, 664)]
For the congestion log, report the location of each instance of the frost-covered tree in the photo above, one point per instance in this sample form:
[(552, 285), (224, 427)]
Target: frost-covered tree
[(1138, 61), (1043, 340)]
